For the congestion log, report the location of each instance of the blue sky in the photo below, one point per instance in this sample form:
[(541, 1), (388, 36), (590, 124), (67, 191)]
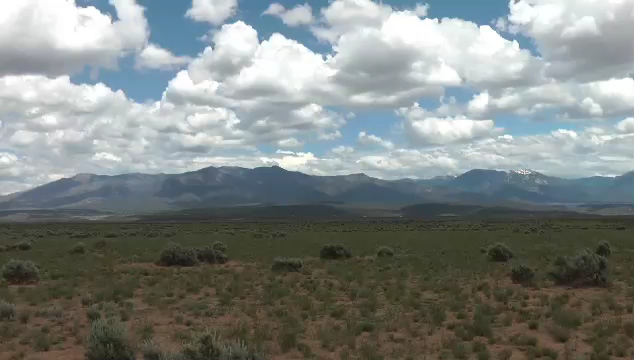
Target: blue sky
[(392, 88), (172, 30)]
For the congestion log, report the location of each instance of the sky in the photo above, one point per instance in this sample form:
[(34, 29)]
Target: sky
[(392, 89)]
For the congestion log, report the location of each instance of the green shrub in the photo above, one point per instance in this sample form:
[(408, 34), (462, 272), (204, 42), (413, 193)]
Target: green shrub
[(505, 354), (208, 346), (436, 313), (53, 311), (287, 264), (79, 248), (569, 319), (549, 353), (20, 272), (287, 339), (24, 245), (603, 249), (146, 330), (483, 355), (459, 350), (335, 251), (478, 346), (522, 274), (152, 351), (558, 333), (80, 235), (176, 255), (481, 324), (364, 326), (93, 313), (524, 340), (278, 234), (499, 252), (533, 325), (211, 255), (219, 246), (108, 341), (42, 342), (100, 244), (7, 311), (584, 269), (10, 247), (24, 316), (385, 251)]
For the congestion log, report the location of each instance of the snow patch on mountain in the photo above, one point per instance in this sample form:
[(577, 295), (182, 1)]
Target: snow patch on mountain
[(527, 177), (523, 171)]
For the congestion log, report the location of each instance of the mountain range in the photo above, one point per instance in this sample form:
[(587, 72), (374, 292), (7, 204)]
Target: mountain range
[(232, 186)]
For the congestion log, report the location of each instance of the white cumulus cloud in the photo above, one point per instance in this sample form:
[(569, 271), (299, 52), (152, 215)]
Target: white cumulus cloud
[(625, 126), (289, 143), (370, 139), (56, 37), (597, 99), (423, 129), (214, 12), (301, 14), (156, 57), (591, 39)]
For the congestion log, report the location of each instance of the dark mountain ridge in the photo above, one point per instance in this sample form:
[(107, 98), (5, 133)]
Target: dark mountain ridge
[(234, 186)]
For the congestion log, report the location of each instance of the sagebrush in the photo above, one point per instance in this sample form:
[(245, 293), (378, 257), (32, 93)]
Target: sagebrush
[(211, 255), (219, 246), (177, 255), (209, 345), (499, 252), (21, 272), (79, 248), (335, 251), (7, 311), (385, 251), (108, 340), (584, 269), (522, 274), (287, 264), (603, 249)]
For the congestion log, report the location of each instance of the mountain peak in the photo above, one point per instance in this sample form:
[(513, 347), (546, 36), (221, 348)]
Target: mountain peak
[(273, 168), (524, 171), (83, 177), (359, 175)]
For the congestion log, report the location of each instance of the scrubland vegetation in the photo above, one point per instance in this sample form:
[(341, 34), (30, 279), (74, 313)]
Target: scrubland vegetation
[(377, 289)]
